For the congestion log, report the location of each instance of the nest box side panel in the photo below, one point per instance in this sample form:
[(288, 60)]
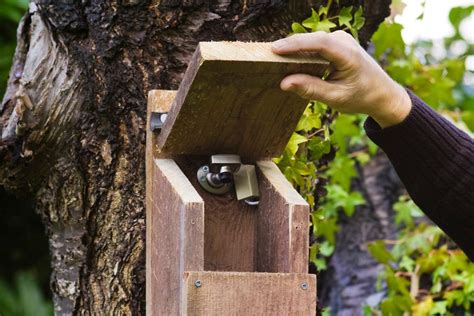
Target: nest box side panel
[(283, 223)]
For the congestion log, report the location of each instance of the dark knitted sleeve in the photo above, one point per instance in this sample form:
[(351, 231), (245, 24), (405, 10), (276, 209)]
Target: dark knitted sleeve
[(435, 161)]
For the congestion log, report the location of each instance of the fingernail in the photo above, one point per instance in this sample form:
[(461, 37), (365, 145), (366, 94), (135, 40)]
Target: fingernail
[(279, 44)]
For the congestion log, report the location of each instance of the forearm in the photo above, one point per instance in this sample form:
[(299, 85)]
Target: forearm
[(435, 160)]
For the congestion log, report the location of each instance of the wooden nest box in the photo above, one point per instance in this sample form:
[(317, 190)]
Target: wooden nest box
[(211, 254)]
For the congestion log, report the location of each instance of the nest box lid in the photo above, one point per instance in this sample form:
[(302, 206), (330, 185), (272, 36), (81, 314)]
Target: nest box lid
[(230, 101)]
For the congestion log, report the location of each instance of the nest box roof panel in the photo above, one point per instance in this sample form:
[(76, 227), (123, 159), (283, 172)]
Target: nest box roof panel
[(230, 101)]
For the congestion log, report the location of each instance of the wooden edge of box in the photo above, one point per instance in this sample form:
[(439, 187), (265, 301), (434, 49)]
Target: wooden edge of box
[(248, 293)]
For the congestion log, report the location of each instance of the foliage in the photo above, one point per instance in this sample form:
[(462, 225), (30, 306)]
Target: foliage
[(317, 153), (424, 273), (11, 12), (24, 298)]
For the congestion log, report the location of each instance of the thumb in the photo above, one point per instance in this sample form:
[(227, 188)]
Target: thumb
[(308, 87)]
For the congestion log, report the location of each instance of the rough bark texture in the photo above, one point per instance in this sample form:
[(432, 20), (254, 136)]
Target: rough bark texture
[(72, 124), (350, 281)]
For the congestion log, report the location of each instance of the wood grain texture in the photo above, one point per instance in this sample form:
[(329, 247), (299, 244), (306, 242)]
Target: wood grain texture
[(175, 240), (231, 293), (230, 101), (158, 100), (230, 225), (283, 224)]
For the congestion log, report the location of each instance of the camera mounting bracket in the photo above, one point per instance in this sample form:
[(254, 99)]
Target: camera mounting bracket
[(227, 171)]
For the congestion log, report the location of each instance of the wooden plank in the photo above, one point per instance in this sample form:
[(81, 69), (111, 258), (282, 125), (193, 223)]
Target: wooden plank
[(230, 101), (175, 240), (230, 234), (282, 225), (233, 293), (230, 225), (158, 100)]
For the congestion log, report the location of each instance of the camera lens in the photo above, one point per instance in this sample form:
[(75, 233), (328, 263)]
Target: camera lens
[(225, 177)]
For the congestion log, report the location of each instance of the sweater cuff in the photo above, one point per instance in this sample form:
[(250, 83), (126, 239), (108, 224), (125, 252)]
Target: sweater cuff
[(403, 134)]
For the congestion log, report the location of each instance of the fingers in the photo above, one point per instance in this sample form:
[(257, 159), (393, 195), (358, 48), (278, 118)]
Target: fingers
[(334, 47), (309, 87)]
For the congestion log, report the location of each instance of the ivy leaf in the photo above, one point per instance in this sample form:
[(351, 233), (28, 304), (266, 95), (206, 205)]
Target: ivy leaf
[(343, 199), (326, 248), (379, 252), (458, 14), (407, 263), (439, 308), (406, 210), (325, 26), (318, 147), (323, 11), (345, 127), (389, 38), (294, 142), (326, 311), (359, 20), (309, 121), (302, 168), (454, 297), (395, 305), (313, 251), (298, 28), (341, 171), (345, 16), (294, 176), (328, 230), (312, 22), (321, 264), (422, 308)]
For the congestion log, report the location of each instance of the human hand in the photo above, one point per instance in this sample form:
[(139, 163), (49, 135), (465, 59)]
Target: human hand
[(356, 85)]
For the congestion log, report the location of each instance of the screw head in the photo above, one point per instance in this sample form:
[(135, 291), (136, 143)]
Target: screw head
[(163, 117), (198, 283), (304, 286)]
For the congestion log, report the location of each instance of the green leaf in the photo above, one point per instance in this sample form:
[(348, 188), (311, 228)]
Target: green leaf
[(423, 308), (405, 211), (341, 171), (309, 121), (367, 311), (388, 38), (298, 28), (321, 264), (439, 308), (395, 305), (407, 263), (312, 22), (458, 14), (359, 20), (328, 229), (325, 26), (326, 311), (345, 16), (323, 11), (294, 142), (345, 127), (318, 147), (326, 248), (379, 252)]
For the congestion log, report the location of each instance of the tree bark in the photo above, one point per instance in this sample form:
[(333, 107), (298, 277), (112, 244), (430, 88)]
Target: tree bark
[(72, 124), (350, 281)]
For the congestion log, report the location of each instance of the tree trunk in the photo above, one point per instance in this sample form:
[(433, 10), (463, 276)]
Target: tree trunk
[(350, 281), (72, 124)]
